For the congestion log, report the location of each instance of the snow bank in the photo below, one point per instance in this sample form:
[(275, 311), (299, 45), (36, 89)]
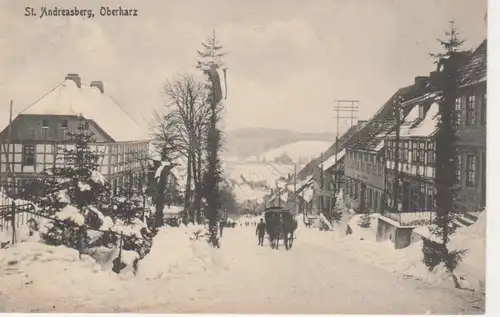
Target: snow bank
[(408, 261), (358, 233), (175, 253), (54, 270), (325, 221), (22, 235), (473, 239)]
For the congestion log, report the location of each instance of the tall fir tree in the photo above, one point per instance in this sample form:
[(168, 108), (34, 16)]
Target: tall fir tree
[(446, 181), (74, 181), (211, 56)]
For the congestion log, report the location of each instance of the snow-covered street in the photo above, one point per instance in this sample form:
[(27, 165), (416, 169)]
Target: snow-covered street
[(241, 277)]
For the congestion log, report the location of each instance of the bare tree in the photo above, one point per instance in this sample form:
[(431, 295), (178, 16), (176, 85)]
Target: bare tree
[(183, 128)]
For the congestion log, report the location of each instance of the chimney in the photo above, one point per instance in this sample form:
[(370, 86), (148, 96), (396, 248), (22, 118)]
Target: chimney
[(420, 81), (98, 84), (76, 78)]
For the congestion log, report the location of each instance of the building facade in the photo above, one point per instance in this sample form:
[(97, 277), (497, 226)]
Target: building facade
[(36, 137), (365, 161), (416, 155)]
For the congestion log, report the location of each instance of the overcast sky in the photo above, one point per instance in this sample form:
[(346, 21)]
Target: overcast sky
[(287, 60)]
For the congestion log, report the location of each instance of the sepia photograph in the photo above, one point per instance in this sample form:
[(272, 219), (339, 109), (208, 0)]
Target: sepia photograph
[(243, 157)]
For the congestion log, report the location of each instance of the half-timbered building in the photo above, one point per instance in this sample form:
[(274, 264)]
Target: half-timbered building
[(364, 174), (416, 155), (36, 137)]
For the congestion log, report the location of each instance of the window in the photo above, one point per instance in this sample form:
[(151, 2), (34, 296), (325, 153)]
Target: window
[(421, 197), (64, 124), (431, 155), (414, 152), (459, 168), (430, 198), (483, 109), (405, 152), (470, 118), (470, 177), (45, 123), (420, 111), (28, 154), (458, 110), (421, 152)]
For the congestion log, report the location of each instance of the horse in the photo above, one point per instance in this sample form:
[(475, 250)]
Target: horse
[(281, 226), (289, 225)]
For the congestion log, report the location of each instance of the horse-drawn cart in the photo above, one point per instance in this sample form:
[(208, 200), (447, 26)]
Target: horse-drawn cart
[(280, 224)]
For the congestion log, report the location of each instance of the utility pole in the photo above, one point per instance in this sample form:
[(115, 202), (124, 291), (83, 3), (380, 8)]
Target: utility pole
[(342, 106), (9, 136), (295, 189), (397, 116)]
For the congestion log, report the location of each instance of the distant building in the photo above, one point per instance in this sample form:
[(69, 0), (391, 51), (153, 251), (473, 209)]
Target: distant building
[(37, 135)]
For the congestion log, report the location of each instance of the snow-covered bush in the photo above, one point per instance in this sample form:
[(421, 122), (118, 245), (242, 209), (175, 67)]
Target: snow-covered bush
[(84, 215)]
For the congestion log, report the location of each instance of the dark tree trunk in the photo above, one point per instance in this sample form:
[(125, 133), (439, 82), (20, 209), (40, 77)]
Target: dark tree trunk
[(187, 193), (446, 152)]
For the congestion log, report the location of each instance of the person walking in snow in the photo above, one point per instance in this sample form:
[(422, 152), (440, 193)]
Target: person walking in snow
[(221, 227), (261, 231)]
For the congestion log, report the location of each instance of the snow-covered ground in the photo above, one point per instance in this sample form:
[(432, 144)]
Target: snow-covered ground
[(408, 261), (323, 273)]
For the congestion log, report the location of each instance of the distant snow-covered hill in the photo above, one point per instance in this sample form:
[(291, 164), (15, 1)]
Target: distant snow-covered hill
[(299, 152), (247, 142)]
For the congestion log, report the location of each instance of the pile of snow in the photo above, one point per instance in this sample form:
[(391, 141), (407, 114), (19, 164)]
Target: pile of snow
[(54, 270), (473, 239), (23, 234), (362, 234), (325, 221), (175, 253), (408, 261)]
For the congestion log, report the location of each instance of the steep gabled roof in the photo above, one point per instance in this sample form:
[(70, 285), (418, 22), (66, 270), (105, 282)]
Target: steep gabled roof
[(92, 104), (475, 69), (369, 137)]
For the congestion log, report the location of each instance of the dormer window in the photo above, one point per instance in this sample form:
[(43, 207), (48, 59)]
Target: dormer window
[(64, 124), (421, 112), (45, 123)]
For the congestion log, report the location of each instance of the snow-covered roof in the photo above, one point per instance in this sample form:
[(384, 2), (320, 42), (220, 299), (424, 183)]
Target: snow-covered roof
[(89, 102), (335, 158), (426, 127), (262, 173)]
